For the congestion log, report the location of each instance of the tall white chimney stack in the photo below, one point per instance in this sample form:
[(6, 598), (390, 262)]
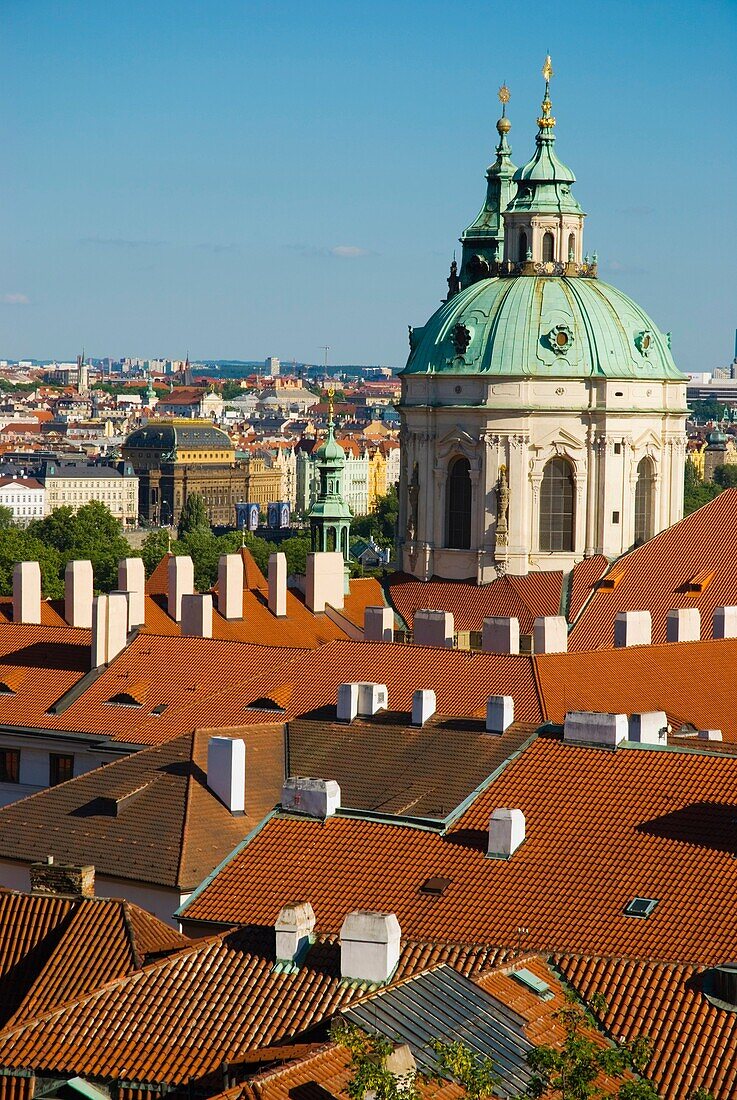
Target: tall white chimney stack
[(506, 833), (500, 635), (230, 586), (278, 585), (181, 583), (78, 593), (197, 615), (27, 592), (293, 928), (424, 704), (132, 579), (226, 772)]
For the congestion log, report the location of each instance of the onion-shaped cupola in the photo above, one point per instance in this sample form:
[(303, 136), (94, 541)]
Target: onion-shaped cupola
[(483, 240), (543, 222)]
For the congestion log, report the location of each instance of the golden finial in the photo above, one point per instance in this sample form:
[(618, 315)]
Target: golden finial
[(504, 95), (503, 126), (546, 120), (331, 395)]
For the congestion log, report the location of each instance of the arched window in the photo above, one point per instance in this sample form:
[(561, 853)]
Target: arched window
[(548, 247), (556, 507), (571, 247), (644, 501), (330, 539), (522, 247), (459, 504)]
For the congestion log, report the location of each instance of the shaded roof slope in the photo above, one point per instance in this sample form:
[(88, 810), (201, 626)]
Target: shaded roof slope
[(522, 597), (635, 822)]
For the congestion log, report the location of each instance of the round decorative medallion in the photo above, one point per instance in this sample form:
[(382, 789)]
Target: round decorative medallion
[(459, 389), (560, 339), (644, 342)]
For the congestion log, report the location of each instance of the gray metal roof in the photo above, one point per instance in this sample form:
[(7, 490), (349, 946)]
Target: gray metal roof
[(442, 1004)]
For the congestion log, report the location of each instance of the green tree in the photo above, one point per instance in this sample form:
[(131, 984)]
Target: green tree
[(695, 491), (381, 522), (368, 1065), (726, 476), (571, 1070), (296, 550), (193, 515), (6, 517), (155, 545), (92, 533), (17, 545), (475, 1074)]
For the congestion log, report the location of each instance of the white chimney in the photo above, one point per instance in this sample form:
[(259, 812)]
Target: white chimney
[(725, 622), (369, 946), (595, 728), (197, 615), (313, 797), (433, 628), (650, 728), (499, 713), (710, 735), (278, 585), (27, 592), (325, 580), (550, 634), (683, 624), (506, 833), (293, 927), (347, 707), (378, 624), (500, 634), (127, 597), (109, 627), (230, 586), (372, 698), (78, 593), (632, 628), (99, 631), (117, 624), (181, 583), (226, 772), (424, 705), (132, 579)]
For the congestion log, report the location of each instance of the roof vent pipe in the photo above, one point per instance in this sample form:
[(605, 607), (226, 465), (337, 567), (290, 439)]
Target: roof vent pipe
[(293, 928), (506, 833), (369, 946), (424, 704), (499, 713)]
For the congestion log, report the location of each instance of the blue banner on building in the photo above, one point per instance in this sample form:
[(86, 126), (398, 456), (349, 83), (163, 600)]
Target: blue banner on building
[(279, 514)]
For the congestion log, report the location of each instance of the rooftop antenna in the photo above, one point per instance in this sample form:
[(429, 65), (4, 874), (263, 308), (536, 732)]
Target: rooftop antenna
[(326, 349)]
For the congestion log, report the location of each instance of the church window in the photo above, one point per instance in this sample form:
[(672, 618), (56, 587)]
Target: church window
[(556, 507), (644, 501), (571, 247), (548, 247), (522, 247), (330, 539), (459, 504)]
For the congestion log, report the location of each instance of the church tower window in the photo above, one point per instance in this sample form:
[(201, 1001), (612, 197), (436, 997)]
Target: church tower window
[(548, 247), (556, 507), (571, 248), (522, 247), (459, 504), (644, 501)]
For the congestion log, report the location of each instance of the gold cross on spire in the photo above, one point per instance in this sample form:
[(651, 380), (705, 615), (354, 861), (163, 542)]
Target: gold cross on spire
[(546, 120)]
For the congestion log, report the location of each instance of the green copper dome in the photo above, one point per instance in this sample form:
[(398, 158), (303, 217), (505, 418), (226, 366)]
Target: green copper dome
[(548, 326)]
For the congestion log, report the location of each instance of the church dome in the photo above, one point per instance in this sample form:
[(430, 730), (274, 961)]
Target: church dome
[(546, 326)]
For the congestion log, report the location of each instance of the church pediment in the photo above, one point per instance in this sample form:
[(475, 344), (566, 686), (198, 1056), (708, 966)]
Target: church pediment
[(457, 440), (558, 441), (648, 441)]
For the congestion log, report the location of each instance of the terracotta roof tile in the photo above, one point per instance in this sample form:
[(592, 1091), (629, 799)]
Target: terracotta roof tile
[(584, 576), (635, 822), (655, 576), (522, 597)]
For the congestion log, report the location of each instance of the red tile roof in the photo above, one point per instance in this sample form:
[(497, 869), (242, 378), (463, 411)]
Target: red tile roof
[(635, 822), (522, 597), (655, 576)]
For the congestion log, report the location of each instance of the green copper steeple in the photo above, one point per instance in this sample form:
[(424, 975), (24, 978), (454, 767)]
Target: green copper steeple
[(330, 517), (544, 183), (483, 240)]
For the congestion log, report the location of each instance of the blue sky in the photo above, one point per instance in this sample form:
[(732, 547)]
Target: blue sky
[(243, 178)]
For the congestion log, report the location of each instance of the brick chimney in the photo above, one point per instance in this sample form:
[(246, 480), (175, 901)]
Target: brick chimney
[(62, 880)]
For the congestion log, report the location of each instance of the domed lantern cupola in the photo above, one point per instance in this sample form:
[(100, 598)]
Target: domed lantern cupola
[(483, 240), (543, 223)]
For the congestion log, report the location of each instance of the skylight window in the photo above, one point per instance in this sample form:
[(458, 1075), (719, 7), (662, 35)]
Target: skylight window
[(640, 907), (531, 981), (435, 887)]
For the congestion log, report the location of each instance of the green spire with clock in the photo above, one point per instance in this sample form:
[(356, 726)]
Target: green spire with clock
[(330, 517), (483, 240)]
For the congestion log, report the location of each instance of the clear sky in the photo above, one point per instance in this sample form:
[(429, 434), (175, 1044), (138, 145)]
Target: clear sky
[(244, 178)]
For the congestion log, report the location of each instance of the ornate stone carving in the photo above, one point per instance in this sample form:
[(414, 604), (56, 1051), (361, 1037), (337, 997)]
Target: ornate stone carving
[(644, 342), (461, 336), (502, 507), (560, 338), (413, 492)]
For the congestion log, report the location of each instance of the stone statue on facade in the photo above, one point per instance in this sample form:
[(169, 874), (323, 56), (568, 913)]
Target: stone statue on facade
[(413, 492), (502, 507), (454, 282)]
